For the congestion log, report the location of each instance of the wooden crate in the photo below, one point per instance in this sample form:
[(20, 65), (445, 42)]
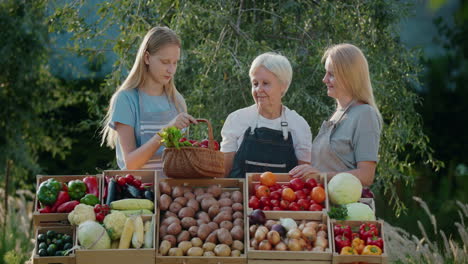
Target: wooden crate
[(70, 259), (226, 185), (55, 219), (117, 256), (272, 256), (337, 258), (282, 178)]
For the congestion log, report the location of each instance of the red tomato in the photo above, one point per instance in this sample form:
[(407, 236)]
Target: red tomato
[(294, 206), (136, 183), (254, 202), (129, 178), (275, 202), (256, 186), (311, 183), (318, 194), (300, 194), (267, 208), (265, 201), (320, 185), (307, 191), (268, 179), (284, 204), (303, 204), (100, 217), (277, 209), (121, 181), (97, 208), (275, 187), (262, 191), (297, 184), (315, 207), (288, 194), (275, 195)]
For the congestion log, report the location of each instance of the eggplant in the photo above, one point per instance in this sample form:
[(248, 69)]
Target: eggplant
[(149, 195), (111, 191), (134, 191)]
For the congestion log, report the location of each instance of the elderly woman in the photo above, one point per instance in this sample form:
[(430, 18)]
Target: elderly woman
[(349, 140), (266, 136)]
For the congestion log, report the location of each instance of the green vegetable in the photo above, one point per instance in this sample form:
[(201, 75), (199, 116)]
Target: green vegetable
[(338, 213), (48, 191), (41, 238), (92, 235), (76, 189), (171, 136), (344, 188), (42, 252), (42, 245), (67, 238), (51, 234), (360, 212), (51, 249), (90, 199)]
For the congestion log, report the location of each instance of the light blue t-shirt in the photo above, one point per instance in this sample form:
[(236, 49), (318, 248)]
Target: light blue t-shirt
[(127, 111)]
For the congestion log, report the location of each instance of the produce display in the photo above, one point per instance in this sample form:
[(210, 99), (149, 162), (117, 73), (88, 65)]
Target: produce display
[(296, 195), (173, 137), (57, 197), (52, 243), (200, 221), (286, 234), (363, 240)]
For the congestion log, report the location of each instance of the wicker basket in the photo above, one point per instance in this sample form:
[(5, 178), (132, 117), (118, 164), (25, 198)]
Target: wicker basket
[(194, 162)]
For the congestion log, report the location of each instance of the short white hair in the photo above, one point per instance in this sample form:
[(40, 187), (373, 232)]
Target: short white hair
[(278, 64)]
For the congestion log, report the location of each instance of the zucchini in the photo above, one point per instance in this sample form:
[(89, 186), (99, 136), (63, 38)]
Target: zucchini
[(132, 204), (111, 191)]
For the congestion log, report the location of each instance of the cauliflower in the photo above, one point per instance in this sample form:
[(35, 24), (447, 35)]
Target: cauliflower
[(81, 213), (344, 188), (360, 212), (114, 224)]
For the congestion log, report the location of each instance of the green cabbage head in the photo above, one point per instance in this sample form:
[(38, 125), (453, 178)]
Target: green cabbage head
[(92, 235), (344, 188), (360, 212)]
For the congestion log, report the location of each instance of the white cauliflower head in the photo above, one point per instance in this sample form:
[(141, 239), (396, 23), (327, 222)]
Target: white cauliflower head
[(344, 188), (81, 213), (114, 224)]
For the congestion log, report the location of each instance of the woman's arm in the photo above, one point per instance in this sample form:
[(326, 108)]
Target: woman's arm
[(228, 161)]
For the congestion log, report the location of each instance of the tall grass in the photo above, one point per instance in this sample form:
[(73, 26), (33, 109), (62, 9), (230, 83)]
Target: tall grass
[(404, 247), (16, 234)]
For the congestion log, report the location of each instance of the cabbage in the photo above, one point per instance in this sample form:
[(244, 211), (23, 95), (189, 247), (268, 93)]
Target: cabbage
[(344, 188), (360, 212), (92, 235)]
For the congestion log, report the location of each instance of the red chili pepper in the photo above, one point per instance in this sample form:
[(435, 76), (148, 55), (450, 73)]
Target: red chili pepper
[(375, 241), (45, 210), (92, 186), (147, 185), (67, 207), (62, 198), (342, 241), (343, 230), (368, 230)]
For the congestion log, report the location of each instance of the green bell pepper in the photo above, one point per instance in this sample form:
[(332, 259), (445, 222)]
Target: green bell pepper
[(90, 199), (76, 189), (48, 191)]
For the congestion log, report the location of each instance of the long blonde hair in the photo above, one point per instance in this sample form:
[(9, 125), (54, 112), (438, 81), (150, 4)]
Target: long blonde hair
[(350, 68), (154, 40)]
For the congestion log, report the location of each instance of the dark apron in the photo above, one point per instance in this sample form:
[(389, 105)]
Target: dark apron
[(264, 149)]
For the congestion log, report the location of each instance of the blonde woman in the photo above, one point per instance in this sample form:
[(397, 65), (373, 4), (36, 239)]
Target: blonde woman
[(349, 140), (266, 136), (146, 102)]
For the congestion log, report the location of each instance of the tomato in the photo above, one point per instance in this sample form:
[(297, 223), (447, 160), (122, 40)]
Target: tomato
[(275, 202), (300, 194), (100, 217), (320, 185), (268, 179), (136, 183), (307, 191), (311, 183), (256, 186), (315, 207), (294, 206), (296, 184), (275, 195), (288, 195), (284, 204), (303, 204), (265, 201), (277, 209), (318, 194), (254, 202), (121, 181), (267, 208), (129, 178), (262, 191), (275, 187)]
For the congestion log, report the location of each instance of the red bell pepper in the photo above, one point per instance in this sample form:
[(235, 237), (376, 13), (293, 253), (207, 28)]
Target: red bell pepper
[(375, 241), (67, 207), (343, 230), (45, 210), (92, 186), (342, 241), (62, 198), (368, 230)]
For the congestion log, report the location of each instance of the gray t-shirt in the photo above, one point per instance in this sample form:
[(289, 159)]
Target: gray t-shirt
[(357, 136)]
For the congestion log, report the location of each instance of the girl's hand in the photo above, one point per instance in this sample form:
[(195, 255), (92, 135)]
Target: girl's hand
[(182, 120), (302, 170)]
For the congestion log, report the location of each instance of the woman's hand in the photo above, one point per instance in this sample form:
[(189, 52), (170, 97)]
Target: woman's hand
[(302, 170), (182, 120)]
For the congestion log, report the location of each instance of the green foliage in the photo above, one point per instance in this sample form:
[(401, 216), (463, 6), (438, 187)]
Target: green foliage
[(221, 39)]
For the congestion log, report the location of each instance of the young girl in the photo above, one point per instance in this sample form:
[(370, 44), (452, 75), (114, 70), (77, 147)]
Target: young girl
[(145, 103)]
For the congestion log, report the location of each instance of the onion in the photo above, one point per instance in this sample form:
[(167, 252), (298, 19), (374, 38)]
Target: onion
[(260, 235), (264, 245), (281, 246), (288, 223), (270, 223), (252, 230), (294, 233), (280, 229), (294, 245), (309, 234), (273, 237)]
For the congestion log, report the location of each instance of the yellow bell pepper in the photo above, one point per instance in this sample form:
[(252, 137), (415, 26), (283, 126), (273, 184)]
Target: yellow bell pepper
[(358, 244), (348, 251), (372, 250)]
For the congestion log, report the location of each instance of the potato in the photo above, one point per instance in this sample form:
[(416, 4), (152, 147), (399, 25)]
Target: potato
[(215, 190), (199, 191), (183, 236), (236, 197), (203, 231), (165, 188), (164, 247), (227, 209), (172, 239), (208, 246), (237, 207), (169, 214), (225, 195), (225, 202), (222, 250), (213, 225), (187, 189), (170, 220), (237, 233), (239, 222), (164, 202), (176, 252), (237, 245), (222, 216), (226, 224), (177, 191), (192, 203), (201, 222), (203, 197), (162, 231), (185, 246), (182, 200), (207, 203), (209, 254), (188, 222), (196, 242), (204, 216), (175, 207), (174, 229), (213, 210), (193, 230), (235, 253), (224, 236), (186, 212), (195, 251), (189, 195), (212, 237), (238, 215)]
